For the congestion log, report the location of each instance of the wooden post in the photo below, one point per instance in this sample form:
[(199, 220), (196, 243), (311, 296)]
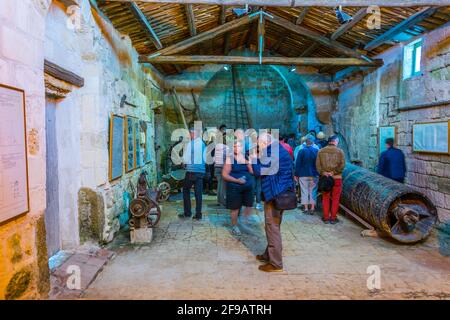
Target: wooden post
[(191, 19), (180, 108), (261, 34)]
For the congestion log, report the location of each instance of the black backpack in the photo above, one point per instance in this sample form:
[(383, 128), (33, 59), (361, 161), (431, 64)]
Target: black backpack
[(326, 183)]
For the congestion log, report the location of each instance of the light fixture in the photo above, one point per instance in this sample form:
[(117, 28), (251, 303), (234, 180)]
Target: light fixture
[(226, 67), (240, 11), (342, 17), (292, 68)]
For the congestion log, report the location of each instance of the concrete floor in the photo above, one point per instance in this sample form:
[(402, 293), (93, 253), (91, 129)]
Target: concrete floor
[(202, 260)]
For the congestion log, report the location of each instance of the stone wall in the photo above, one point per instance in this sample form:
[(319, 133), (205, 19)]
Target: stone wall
[(22, 33), (382, 97), (31, 30), (282, 90), (273, 86), (93, 49)]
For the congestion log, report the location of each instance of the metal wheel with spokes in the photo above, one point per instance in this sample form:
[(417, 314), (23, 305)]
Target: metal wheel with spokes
[(164, 191)]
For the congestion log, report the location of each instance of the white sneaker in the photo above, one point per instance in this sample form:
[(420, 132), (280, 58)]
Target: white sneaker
[(235, 230), (259, 206)]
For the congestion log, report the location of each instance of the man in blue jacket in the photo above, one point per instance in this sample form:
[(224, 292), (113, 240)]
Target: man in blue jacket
[(392, 162), (306, 173), (275, 168), (194, 159)]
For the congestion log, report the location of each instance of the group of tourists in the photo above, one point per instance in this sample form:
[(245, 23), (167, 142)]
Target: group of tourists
[(273, 171)]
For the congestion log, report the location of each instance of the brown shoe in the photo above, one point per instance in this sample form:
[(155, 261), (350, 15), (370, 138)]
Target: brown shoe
[(261, 258), (269, 268)]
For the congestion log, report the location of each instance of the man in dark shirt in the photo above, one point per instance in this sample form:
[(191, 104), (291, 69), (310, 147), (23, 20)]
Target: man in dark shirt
[(392, 162)]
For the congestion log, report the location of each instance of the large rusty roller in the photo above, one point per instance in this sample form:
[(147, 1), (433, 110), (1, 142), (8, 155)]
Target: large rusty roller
[(393, 208)]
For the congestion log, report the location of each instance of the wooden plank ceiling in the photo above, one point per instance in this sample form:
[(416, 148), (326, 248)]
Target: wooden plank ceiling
[(173, 23)]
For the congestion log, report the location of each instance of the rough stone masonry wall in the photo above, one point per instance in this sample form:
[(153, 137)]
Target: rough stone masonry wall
[(377, 99), (108, 63)]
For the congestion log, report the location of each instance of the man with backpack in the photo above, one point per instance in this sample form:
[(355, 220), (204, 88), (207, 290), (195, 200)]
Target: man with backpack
[(330, 164)]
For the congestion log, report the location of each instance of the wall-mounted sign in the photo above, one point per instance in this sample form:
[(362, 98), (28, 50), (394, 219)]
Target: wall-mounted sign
[(431, 137), (130, 144), (384, 133), (14, 197), (116, 143)]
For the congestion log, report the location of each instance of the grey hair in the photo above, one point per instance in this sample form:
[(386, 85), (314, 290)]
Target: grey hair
[(309, 139)]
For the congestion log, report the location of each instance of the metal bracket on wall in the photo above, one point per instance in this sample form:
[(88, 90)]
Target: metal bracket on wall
[(123, 102)]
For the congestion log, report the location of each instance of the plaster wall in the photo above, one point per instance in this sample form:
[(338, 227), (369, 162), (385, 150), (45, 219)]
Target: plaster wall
[(23, 256)]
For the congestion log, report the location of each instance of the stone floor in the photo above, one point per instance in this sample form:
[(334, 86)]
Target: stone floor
[(202, 260)]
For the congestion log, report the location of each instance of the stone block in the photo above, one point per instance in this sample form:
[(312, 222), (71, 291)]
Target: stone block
[(444, 185), (91, 214), (444, 215), (19, 46), (141, 235)]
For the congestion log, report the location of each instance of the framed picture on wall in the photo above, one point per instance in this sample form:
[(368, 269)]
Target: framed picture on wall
[(148, 144), (14, 192), (116, 143), (431, 137), (137, 138), (130, 144), (385, 132)]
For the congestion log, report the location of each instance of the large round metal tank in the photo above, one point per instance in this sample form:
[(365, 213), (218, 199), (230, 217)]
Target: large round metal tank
[(394, 208)]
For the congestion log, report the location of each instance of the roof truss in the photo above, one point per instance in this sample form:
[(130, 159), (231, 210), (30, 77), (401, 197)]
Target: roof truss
[(401, 27), (301, 3), (283, 31), (200, 59)]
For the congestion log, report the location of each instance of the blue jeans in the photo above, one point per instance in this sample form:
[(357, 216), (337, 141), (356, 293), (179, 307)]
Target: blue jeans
[(193, 179), (258, 189)]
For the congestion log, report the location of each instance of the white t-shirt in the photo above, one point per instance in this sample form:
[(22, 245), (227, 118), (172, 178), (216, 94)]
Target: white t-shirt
[(220, 154)]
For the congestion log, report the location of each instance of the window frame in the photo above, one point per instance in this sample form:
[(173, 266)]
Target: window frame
[(413, 46)]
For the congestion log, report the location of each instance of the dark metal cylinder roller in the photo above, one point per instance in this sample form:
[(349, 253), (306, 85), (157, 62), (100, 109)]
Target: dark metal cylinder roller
[(394, 208)]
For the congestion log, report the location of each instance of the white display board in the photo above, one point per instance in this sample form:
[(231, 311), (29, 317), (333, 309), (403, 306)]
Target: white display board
[(432, 137), (14, 198)]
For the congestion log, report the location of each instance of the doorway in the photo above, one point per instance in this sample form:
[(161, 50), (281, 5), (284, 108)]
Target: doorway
[(52, 224)]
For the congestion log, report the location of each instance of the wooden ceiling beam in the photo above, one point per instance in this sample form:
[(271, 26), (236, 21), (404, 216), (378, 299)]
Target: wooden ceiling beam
[(401, 27), (357, 17), (140, 16), (190, 16), (302, 15), (226, 44), (300, 3), (251, 34), (279, 42), (223, 14), (204, 36), (317, 37), (227, 37), (308, 51), (182, 59)]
